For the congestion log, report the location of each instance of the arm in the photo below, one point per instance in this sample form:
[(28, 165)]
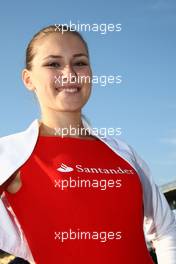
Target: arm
[(12, 185), (159, 221)]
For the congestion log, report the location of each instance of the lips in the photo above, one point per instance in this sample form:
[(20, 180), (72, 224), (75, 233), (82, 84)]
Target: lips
[(68, 89)]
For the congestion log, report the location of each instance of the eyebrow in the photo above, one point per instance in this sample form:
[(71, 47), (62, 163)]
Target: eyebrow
[(59, 56)]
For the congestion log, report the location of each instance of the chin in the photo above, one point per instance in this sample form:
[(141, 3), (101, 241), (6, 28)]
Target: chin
[(69, 109), (70, 106)]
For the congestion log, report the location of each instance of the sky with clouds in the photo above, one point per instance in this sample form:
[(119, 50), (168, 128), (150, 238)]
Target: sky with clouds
[(143, 53)]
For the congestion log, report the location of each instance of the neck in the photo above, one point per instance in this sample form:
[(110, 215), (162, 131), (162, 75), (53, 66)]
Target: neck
[(60, 123)]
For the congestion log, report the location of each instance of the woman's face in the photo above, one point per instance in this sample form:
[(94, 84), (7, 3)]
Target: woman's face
[(59, 62)]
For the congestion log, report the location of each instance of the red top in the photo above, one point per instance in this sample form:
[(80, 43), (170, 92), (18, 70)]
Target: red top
[(80, 203)]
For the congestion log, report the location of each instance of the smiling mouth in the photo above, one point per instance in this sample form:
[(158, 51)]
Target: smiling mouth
[(70, 90)]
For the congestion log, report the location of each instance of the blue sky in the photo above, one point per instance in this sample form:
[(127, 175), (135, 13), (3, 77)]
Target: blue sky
[(143, 52)]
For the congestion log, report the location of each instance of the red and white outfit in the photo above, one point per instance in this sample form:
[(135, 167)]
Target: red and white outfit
[(119, 197)]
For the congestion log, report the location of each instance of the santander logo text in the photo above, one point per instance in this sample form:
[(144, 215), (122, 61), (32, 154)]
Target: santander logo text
[(79, 168)]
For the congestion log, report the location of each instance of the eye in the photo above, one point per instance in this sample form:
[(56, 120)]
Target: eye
[(53, 65), (81, 63)]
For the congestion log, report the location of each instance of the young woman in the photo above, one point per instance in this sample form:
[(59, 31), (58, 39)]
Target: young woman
[(79, 198)]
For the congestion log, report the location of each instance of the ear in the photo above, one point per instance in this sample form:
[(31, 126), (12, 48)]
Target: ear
[(27, 80)]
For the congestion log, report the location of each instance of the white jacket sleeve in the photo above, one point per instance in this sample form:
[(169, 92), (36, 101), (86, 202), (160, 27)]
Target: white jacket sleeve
[(159, 220)]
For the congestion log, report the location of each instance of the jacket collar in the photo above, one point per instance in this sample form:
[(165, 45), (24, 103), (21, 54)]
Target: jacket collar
[(16, 148)]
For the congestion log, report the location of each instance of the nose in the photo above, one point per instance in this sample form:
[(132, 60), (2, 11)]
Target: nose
[(69, 74)]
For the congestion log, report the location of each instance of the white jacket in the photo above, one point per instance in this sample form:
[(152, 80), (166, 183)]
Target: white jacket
[(159, 220)]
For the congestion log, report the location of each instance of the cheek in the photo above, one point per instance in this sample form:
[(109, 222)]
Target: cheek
[(45, 80), (38, 78), (86, 88), (84, 72), (48, 77), (45, 87), (85, 77)]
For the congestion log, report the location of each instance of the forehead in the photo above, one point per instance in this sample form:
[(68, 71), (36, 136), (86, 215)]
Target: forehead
[(58, 44)]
